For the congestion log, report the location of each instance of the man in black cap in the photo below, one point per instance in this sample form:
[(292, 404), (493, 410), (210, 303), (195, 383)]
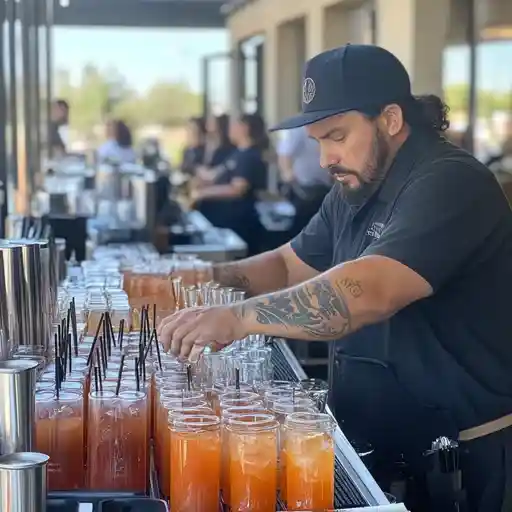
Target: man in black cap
[(407, 267)]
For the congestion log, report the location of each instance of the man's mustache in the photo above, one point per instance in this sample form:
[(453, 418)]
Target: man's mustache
[(336, 171)]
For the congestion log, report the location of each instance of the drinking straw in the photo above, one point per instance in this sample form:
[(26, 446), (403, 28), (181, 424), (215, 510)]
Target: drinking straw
[(157, 345), (105, 336), (189, 377), (112, 338), (154, 316), (95, 340), (100, 380), (96, 386), (74, 326), (70, 353), (120, 375), (121, 334), (68, 321), (237, 379), (57, 372), (64, 358), (148, 330), (141, 333), (137, 376), (103, 354)]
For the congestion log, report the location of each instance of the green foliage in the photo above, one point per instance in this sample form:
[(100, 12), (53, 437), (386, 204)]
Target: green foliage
[(457, 98), (100, 94)]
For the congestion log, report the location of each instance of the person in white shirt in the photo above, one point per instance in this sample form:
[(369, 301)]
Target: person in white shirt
[(306, 182), (118, 147)]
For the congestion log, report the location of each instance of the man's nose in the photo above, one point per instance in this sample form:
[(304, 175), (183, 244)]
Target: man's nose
[(327, 160)]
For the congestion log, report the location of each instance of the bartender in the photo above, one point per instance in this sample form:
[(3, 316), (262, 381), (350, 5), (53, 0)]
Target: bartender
[(406, 267)]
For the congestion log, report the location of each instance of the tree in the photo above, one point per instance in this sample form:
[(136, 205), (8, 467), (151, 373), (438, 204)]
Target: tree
[(169, 104), (99, 94)]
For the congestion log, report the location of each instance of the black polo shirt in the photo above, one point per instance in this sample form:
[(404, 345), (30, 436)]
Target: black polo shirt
[(441, 213)]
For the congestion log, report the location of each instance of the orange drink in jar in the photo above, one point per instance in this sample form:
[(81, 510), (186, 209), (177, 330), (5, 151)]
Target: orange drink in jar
[(281, 409), (252, 463), (195, 462), (309, 455), (59, 430), (231, 412)]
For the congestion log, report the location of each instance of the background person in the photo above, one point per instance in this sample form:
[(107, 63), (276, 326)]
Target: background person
[(118, 147)]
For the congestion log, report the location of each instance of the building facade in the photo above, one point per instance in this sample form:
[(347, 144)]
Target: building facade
[(453, 48)]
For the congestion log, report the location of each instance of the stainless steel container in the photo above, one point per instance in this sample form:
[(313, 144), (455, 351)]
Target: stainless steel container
[(35, 305), (23, 482), (48, 291), (4, 318), (17, 405), (14, 297)]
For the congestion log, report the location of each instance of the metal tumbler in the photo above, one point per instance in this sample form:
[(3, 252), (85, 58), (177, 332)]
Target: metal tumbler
[(17, 405), (23, 482)]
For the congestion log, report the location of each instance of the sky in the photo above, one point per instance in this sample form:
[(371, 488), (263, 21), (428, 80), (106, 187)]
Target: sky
[(144, 56)]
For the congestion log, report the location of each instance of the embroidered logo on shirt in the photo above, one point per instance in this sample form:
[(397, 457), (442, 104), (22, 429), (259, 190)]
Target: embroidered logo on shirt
[(375, 230), (308, 91)]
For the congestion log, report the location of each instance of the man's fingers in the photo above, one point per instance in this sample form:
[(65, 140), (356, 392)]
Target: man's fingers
[(196, 352), (188, 342), (177, 337)]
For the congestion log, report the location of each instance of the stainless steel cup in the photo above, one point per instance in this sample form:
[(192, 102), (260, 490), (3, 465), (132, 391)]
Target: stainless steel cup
[(17, 405), (23, 482)]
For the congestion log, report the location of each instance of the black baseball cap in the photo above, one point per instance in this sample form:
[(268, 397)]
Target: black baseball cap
[(358, 77)]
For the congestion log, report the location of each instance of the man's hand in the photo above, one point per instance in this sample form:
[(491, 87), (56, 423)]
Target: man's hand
[(187, 332)]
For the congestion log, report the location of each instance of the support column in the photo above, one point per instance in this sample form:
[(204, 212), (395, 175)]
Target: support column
[(410, 38), (315, 29), (291, 56), (271, 76)]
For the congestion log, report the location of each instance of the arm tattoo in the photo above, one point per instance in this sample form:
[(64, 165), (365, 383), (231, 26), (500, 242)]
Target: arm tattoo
[(231, 275), (318, 307)]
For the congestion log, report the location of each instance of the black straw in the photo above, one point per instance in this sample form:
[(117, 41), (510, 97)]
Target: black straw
[(189, 377), (120, 375), (237, 379), (157, 345), (74, 326), (137, 376), (70, 353), (95, 340), (57, 366), (96, 386), (121, 334)]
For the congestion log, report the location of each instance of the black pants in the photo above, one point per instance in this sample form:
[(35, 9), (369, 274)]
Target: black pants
[(486, 473), (374, 407)]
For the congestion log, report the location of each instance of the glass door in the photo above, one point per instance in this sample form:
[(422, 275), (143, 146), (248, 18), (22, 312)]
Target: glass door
[(234, 82)]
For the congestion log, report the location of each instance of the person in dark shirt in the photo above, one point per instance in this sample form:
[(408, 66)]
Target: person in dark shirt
[(218, 144), (58, 125), (406, 269), (193, 154), (228, 200)]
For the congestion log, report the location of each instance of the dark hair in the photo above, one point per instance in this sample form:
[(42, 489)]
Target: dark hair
[(426, 112), (62, 103), (122, 134), (222, 126), (257, 130), (200, 125)]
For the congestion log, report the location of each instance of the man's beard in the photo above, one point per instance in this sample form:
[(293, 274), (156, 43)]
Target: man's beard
[(374, 171)]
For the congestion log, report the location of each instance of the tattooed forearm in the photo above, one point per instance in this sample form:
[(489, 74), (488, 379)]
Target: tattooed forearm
[(317, 308), (231, 275)]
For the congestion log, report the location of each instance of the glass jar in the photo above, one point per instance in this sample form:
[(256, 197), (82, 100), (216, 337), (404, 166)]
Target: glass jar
[(308, 459), (252, 463), (194, 447)]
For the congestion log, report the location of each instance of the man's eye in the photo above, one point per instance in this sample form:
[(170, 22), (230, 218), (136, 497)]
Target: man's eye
[(339, 138)]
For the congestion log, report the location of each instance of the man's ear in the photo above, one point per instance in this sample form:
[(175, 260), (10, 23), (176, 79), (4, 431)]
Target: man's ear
[(393, 118)]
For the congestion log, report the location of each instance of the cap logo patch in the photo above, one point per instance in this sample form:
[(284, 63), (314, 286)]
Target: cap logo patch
[(308, 91)]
